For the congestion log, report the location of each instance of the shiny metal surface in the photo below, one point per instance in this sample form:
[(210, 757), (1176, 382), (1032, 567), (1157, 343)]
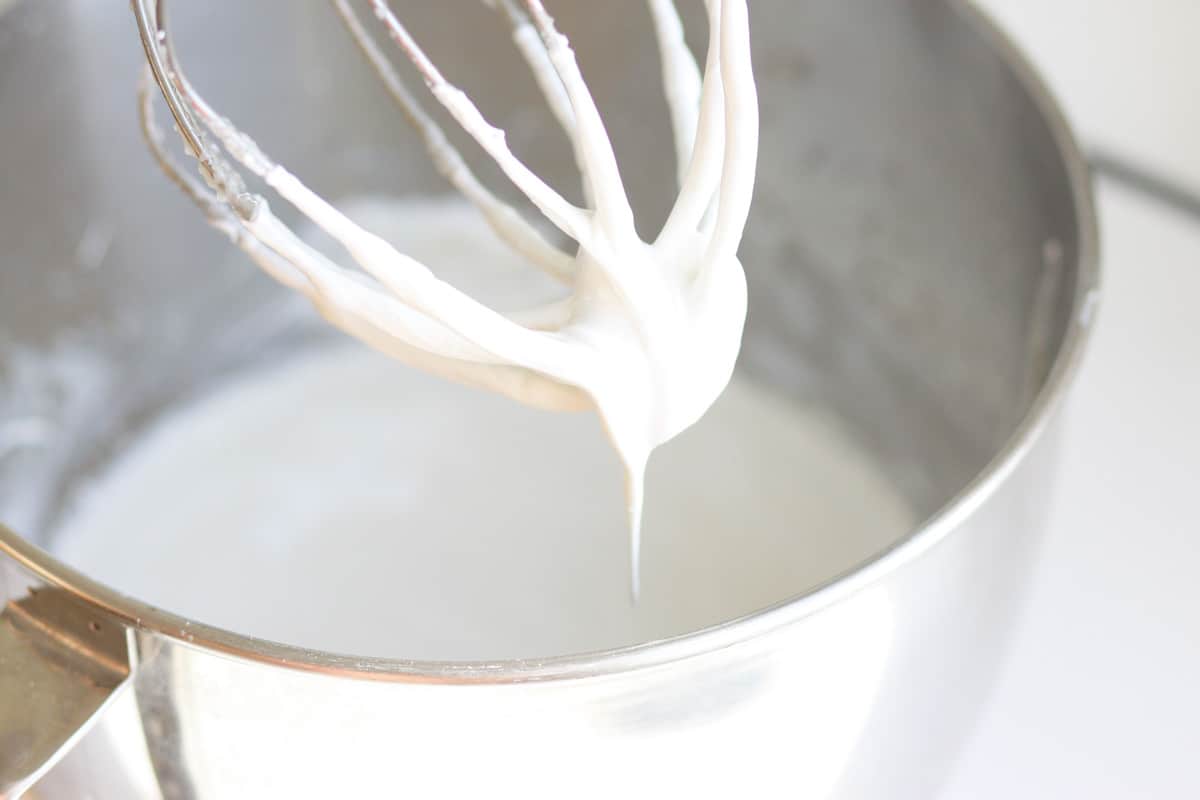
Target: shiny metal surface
[(921, 260), (60, 665)]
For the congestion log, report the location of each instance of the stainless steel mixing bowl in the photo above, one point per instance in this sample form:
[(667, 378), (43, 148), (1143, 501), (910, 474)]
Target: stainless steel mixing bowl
[(922, 261)]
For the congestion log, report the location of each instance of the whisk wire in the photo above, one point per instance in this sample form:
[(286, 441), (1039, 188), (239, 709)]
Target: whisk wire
[(599, 162), (435, 305), (508, 224), (212, 167), (703, 173), (570, 219)]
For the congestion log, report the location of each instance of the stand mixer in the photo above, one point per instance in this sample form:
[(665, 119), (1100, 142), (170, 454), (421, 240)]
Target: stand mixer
[(920, 261)]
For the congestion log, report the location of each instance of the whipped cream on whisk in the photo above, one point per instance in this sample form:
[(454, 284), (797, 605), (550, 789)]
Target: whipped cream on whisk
[(650, 331)]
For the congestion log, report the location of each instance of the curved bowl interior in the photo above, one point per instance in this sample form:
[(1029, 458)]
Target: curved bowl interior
[(913, 255)]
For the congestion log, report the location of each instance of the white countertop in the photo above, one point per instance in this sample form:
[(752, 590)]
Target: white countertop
[(1100, 697)]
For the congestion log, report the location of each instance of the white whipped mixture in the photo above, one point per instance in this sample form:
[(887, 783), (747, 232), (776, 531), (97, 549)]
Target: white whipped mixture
[(649, 332), (342, 501)]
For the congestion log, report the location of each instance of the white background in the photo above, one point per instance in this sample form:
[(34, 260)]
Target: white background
[(1100, 697)]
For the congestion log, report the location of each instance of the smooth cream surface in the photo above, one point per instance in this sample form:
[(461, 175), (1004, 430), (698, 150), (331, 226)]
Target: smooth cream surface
[(343, 501)]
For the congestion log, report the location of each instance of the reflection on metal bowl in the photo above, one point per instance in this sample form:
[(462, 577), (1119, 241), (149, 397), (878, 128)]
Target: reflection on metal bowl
[(921, 262)]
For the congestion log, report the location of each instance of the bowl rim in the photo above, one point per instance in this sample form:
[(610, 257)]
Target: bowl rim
[(189, 633)]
